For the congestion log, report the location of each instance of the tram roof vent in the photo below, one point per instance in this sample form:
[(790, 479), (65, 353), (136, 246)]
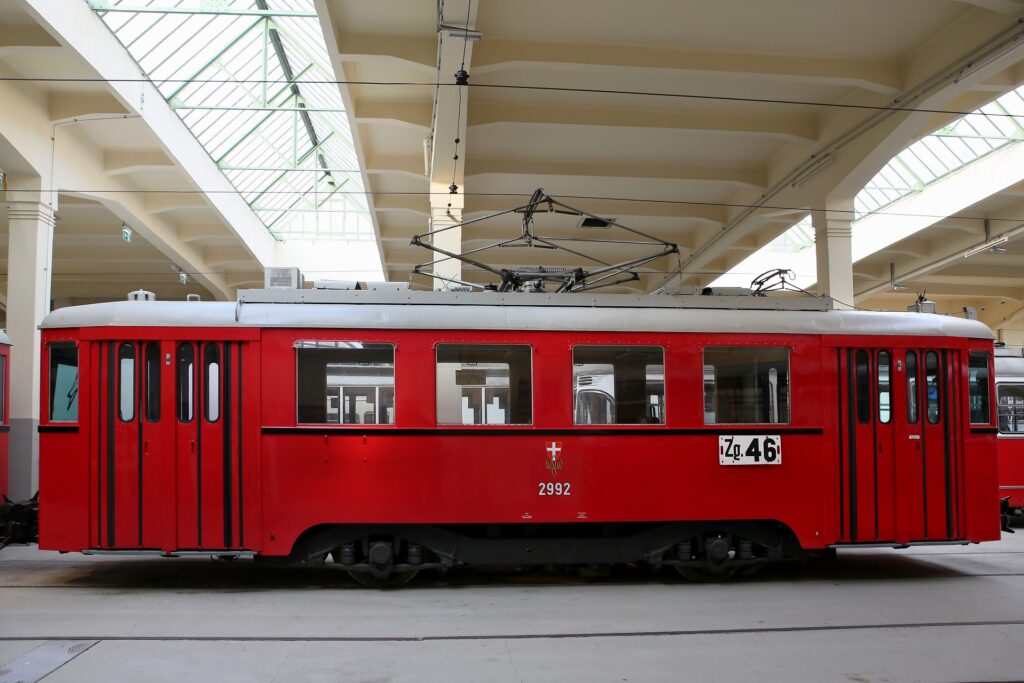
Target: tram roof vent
[(141, 295), (283, 278)]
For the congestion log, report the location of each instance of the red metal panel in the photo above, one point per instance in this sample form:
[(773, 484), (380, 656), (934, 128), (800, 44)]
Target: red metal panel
[(1011, 469), (414, 471)]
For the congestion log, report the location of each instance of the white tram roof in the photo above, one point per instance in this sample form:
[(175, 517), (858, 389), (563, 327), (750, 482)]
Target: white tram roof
[(356, 309), (1009, 362), (4, 339)]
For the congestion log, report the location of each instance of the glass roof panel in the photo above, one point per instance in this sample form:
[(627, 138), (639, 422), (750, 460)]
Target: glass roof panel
[(964, 141), (252, 80)]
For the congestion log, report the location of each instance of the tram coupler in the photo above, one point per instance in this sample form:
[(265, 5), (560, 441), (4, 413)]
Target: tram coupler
[(19, 521), (1004, 515)]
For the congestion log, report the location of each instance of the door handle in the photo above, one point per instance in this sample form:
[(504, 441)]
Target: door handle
[(192, 447)]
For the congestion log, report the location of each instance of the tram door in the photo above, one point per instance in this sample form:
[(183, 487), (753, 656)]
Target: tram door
[(927, 470), (134, 444), (867, 492), (207, 397)]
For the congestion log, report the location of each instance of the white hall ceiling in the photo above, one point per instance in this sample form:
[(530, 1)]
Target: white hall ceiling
[(672, 116)]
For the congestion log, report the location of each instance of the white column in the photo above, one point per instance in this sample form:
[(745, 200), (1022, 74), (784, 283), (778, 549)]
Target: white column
[(29, 257), (451, 241), (833, 233)]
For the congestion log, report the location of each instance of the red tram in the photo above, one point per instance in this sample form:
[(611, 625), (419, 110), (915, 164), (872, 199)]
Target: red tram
[(397, 431), (1010, 401)]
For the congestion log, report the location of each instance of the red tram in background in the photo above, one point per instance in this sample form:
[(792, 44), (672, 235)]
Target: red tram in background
[(399, 431), (1010, 402)]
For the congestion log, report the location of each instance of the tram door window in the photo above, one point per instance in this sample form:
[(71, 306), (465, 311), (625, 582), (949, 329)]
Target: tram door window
[(484, 384), (867, 445), (133, 483), (342, 382), (207, 395), (928, 467), (746, 385), (618, 384)]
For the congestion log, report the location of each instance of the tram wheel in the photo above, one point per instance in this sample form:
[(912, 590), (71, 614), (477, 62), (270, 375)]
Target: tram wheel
[(393, 580)]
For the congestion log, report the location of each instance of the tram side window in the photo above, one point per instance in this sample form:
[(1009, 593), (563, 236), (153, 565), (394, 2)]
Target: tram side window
[(1010, 399), (484, 384), (977, 386), (186, 373), (63, 382), (618, 384), (932, 386), (746, 385), (345, 382)]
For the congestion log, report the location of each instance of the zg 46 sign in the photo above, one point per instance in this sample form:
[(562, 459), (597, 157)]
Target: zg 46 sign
[(749, 449)]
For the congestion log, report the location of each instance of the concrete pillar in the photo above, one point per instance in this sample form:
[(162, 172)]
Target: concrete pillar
[(450, 241), (833, 237), (29, 257)]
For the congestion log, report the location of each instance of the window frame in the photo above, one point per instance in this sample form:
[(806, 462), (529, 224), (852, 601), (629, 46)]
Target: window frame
[(704, 365), (1017, 382), (121, 376), (663, 347), (989, 382), (190, 375), (212, 355), (51, 379), (297, 346), (888, 392), (152, 409), (483, 425)]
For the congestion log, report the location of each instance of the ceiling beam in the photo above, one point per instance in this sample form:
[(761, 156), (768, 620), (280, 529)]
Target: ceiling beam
[(792, 128), (415, 52), (413, 114), (67, 106), (120, 162), (737, 176), (496, 55)]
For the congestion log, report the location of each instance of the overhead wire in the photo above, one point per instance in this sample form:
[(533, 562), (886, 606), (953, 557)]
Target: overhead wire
[(895, 106)]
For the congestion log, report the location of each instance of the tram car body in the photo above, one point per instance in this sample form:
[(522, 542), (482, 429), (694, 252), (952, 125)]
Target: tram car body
[(1010, 402), (5, 419), (393, 431)]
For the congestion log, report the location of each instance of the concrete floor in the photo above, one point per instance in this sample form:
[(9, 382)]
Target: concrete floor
[(927, 614)]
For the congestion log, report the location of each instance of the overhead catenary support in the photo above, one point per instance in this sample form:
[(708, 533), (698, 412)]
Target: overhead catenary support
[(448, 142)]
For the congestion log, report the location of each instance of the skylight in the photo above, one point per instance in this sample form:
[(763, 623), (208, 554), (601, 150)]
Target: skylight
[(946, 150), (253, 82)]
